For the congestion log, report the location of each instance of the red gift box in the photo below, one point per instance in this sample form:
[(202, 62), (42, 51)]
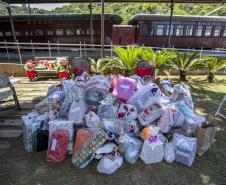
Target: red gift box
[(30, 74), (63, 74), (142, 71)]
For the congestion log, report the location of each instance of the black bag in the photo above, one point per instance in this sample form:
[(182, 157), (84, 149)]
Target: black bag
[(42, 140)]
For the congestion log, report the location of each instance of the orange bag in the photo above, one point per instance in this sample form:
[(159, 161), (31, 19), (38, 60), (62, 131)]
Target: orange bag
[(82, 136)]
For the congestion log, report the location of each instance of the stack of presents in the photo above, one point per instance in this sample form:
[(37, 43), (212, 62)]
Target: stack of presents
[(116, 119)]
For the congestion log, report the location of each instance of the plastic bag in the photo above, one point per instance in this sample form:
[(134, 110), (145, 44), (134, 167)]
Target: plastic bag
[(145, 97), (31, 123), (107, 148), (124, 88), (149, 131), (42, 137), (152, 151), (185, 149), (180, 92), (127, 111), (169, 152), (109, 165), (54, 88), (150, 114), (191, 118), (56, 97), (57, 149), (93, 97), (130, 127), (92, 120), (64, 111), (132, 147), (77, 112), (60, 124), (107, 111), (114, 126), (165, 121), (178, 118)]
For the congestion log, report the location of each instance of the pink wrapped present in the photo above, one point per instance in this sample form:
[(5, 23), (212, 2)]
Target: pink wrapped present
[(124, 88)]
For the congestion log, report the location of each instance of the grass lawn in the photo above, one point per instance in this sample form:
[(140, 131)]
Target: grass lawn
[(20, 167)]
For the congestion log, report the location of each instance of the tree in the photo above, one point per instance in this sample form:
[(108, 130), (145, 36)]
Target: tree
[(213, 65), (184, 63)]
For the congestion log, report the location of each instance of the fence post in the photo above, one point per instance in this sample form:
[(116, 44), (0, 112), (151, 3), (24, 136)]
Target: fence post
[(111, 49), (7, 52), (50, 54), (58, 48), (32, 49), (85, 49), (200, 56), (80, 46), (18, 48)]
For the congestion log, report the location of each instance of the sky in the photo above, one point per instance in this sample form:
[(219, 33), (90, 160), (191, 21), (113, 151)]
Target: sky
[(47, 6)]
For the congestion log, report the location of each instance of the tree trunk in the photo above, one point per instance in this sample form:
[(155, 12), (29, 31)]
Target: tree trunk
[(210, 77), (183, 75)]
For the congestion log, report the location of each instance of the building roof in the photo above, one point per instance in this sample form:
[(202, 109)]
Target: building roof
[(156, 17), (109, 17)]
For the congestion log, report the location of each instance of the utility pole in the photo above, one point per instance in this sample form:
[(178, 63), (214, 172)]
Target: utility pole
[(91, 21), (170, 22), (102, 28)]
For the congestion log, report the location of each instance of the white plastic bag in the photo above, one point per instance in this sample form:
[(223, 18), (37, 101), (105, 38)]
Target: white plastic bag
[(169, 152), (109, 166), (145, 97), (77, 112), (127, 111), (185, 149), (92, 120), (165, 121), (107, 111), (152, 152), (107, 148), (150, 114)]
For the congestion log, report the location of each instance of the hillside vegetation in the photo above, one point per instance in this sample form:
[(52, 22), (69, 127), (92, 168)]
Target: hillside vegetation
[(126, 10)]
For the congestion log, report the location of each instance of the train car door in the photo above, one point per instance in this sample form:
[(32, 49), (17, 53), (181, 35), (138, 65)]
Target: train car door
[(123, 35)]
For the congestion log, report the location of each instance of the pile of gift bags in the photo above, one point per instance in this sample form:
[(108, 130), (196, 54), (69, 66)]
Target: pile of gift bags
[(115, 119)]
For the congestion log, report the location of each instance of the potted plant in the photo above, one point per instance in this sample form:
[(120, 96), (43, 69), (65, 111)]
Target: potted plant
[(127, 58), (101, 65), (213, 65), (184, 63), (159, 58)]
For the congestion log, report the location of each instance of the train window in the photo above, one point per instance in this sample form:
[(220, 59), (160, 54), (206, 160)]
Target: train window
[(79, 31), (151, 29), (189, 30), (217, 31), (50, 32), (28, 33), (8, 34), (1, 34), (59, 32), (199, 31), (88, 31), (208, 31), (171, 31), (159, 30), (179, 30), (39, 32), (69, 32), (143, 29), (20, 33)]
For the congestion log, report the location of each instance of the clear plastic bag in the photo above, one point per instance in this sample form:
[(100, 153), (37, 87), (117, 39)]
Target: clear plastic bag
[(191, 118), (152, 151), (145, 97), (77, 112), (127, 111), (132, 148), (151, 114), (109, 165), (185, 149), (107, 111), (92, 120), (169, 152), (60, 124)]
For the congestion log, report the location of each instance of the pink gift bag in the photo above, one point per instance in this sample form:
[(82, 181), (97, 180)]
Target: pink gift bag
[(124, 88)]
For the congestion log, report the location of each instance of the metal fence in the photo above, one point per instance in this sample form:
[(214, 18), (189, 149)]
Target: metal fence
[(17, 52)]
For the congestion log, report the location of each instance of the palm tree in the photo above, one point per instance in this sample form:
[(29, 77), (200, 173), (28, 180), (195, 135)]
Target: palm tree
[(185, 62), (213, 65), (127, 57), (160, 58), (101, 65)]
